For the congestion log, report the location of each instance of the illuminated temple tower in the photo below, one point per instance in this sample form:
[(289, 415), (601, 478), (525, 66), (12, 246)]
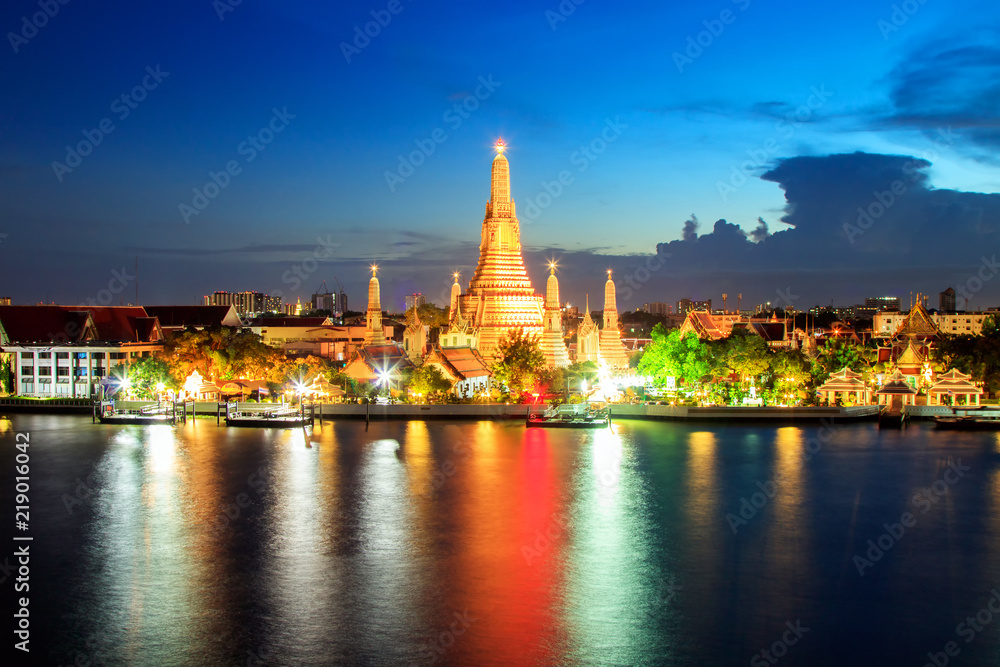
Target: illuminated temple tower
[(552, 344), (500, 296), (611, 349), (374, 334)]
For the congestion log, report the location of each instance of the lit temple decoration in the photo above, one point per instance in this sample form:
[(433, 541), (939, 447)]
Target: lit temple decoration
[(193, 383)]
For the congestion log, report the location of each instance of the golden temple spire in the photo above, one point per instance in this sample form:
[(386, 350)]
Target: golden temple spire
[(552, 289), (374, 334), (610, 302), (500, 184)]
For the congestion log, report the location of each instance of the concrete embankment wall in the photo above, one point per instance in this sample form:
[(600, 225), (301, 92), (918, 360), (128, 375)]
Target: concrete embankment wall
[(491, 411)]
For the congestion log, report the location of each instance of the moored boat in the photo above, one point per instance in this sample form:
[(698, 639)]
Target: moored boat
[(278, 416), (571, 416), (148, 414)]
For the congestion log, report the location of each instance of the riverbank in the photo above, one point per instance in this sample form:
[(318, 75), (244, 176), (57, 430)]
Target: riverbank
[(479, 411)]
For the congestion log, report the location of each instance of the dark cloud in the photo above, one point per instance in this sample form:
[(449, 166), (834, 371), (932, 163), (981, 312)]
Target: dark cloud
[(759, 233), (950, 84), (690, 232), (861, 221)]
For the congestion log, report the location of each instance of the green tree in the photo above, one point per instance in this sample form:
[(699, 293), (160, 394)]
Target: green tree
[(224, 353), (579, 372), (144, 374), (431, 315), (669, 355), (7, 375), (790, 374), (990, 326), (747, 355), (427, 380), (836, 354), (519, 362), (978, 356)]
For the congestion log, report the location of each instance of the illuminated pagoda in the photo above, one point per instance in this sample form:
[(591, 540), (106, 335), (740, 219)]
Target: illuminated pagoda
[(500, 297), (459, 332), (588, 337), (552, 344), (415, 336), (612, 351), (374, 334)]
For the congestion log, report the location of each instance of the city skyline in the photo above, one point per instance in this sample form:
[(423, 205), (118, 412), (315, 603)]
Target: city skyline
[(859, 165)]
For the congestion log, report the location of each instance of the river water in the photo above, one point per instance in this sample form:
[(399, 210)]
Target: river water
[(491, 544)]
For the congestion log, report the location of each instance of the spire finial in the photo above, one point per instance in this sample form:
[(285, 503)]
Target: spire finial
[(500, 146), (374, 270)]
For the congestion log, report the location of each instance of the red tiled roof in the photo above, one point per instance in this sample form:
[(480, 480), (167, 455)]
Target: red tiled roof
[(116, 322), (466, 361), (36, 324), (51, 324)]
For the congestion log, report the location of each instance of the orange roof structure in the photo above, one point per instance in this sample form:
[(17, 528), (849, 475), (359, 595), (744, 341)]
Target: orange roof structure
[(954, 382), (896, 384), (460, 363), (918, 324), (844, 380)]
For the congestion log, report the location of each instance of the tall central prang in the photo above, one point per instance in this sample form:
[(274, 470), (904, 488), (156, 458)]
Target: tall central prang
[(500, 296)]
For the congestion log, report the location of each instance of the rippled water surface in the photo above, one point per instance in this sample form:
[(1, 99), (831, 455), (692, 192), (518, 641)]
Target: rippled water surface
[(492, 544)]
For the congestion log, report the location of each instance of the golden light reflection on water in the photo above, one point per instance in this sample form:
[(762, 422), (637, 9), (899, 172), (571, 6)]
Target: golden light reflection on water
[(702, 487), (785, 534), (419, 461), (140, 530), (610, 585), (556, 542), (295, 561)]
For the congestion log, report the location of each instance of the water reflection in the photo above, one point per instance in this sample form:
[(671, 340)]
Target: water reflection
[(203, 544), (140, 551), (613, 583)]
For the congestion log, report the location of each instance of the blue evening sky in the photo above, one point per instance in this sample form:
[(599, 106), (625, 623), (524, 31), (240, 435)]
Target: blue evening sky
[(681, 131)]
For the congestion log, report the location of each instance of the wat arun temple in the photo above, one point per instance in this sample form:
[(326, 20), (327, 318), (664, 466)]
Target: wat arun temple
[(500, 297)]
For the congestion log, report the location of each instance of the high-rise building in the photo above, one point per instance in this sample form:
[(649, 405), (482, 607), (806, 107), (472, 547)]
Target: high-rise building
[(324, 299), (946, 301), (685, 306), (500, 296), (883, 303), (657, 308), (247, 304), (414, 301)]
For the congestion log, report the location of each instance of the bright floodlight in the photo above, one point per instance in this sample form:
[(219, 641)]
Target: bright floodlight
[(126, 383)]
